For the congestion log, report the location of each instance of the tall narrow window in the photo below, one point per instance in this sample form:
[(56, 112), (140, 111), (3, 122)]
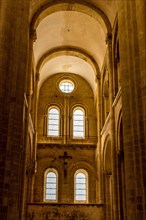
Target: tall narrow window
[(78, 123), (51, 185), (53, 122), (81, 188)]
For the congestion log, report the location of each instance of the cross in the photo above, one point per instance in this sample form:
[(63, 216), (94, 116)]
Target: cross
[(64, 158)]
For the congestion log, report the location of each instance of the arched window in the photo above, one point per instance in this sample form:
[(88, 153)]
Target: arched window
[(53, 121), (81, 186), (51, 185), (78, 123)]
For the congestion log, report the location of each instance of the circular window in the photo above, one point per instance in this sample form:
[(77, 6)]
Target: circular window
[(66, 86)]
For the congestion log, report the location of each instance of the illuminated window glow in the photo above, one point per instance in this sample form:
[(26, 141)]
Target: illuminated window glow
[(66, 86), (51, 185), (53, 122), (81, 186), (78, 123)]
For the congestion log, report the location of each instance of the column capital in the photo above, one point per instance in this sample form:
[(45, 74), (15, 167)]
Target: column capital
[(108, 38), (32, 34), (98, 78), (108, 172)]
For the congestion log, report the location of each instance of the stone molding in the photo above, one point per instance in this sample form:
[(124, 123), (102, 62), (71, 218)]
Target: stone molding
[(105, 124), (66, 146), (65, 204), (117, 98)]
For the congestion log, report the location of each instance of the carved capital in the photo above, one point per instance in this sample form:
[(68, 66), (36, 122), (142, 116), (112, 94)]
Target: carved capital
[(97, 77), (108, 172), (108, 38), (32, 35)]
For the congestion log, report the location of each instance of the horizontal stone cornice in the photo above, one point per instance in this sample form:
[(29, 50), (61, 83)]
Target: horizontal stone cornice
[(65, 204), (66, 146)]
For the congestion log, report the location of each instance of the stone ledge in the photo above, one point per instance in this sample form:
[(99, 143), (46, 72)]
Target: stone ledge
[(66, 146), (65, 204)]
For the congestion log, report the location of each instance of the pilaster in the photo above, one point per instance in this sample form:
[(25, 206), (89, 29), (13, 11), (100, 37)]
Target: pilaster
[(112, 127), (133, 80), (13, 64)]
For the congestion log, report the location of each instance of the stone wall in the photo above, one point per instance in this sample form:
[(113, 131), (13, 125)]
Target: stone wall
[(83, 157), (39, 211), (82, 95)]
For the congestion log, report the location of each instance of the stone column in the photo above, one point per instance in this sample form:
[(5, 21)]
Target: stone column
[(28, 159), (108, 195), (98, 150), (112, 127), (14, 25), (132, 35)]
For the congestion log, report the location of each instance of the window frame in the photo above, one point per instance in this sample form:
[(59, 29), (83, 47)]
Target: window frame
[(59, 123), (83, 171), (66, 80), (45, 176), (84, 124)]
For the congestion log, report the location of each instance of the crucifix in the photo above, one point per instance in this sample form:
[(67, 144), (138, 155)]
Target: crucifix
[(64, 158)]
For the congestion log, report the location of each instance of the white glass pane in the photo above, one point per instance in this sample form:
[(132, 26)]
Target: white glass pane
[(53, 110), (51, 191), (51, 197), (51, 174), (78, 111), (51, 180), (51, 186), (78, 129), (53, 133), (78, 180), (81, 191), (66, 86), (53, 127), (53, 117), (81, 187), (53, 122), (78, 134), (81, 175), (78, 123), (80, 197)]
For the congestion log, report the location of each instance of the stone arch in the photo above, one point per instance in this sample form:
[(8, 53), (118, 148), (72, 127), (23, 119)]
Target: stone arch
[(85, 165), (121, 169), (68, 5), (31, 163), (47, 162), (104, 94), (45, 120), (107, 161), (116, 59), (66, 50), (107, 179)]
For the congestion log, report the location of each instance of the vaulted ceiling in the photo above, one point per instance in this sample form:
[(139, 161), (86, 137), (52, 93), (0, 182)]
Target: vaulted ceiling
[(71, 36)]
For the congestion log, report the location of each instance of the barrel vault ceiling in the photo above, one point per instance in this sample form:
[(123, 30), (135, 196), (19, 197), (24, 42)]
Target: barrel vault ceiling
[(71, 36)]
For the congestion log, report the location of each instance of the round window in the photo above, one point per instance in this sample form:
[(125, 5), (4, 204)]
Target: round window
[(66, 86)]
